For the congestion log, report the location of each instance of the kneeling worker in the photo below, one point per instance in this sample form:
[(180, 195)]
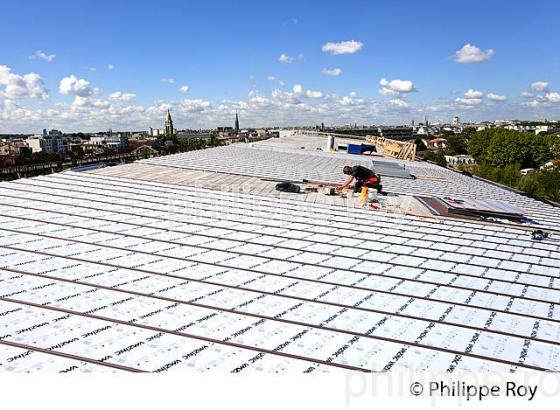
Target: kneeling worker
[(364, 178)]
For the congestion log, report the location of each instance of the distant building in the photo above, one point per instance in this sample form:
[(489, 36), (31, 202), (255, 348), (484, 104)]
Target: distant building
[(48, 141), (523, 128), (195, 134), (226, 132), (4, 149), (262, 133), (168, 125), (97, 140), (456, 121), (436, 143), (52, 133), (551, 164), (542, 128), (224, 129), (14, 147), (155, 132), (460, 159), (397, 133), (34, 143), (236, 127), (115, 141)]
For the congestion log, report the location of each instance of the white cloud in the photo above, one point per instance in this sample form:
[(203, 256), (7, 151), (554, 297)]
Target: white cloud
[(285, 106), (334, 72), (539, 86), (472, 54), (73, 85), (168, 80), (120, 96), (314, 94), (474, 97), (350, 100), (271, 78), (258, 99), (496, 97), (21, 86), (110, 67), (194, 106), (397, 102), (469, 101), (344, 47), (553, 97), (283, 109), (81, 102), (474, 93), (526, 94), (184, 89), (41, 55), (285, 58), (87, 102), (285, 97), (532, 103), (395, 87)]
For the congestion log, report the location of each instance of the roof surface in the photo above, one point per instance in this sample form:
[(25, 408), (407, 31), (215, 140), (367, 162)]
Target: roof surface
[(194, 262)]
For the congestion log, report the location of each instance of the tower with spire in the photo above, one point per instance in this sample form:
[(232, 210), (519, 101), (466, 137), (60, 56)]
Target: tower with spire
[(236, 127), (168, 125)]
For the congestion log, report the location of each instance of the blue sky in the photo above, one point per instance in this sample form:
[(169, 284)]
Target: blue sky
[(91, 65)]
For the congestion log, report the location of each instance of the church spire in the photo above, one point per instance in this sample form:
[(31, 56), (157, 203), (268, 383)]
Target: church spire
[(236, 122), (168, 124)]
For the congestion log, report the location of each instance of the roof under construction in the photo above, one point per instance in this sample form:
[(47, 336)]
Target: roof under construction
[(193, 262)]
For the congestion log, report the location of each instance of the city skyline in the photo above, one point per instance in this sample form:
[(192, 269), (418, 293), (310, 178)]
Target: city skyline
[(113, 65)]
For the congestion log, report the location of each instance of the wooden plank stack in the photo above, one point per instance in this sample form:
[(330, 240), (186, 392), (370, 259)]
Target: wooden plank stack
[(393, 148)]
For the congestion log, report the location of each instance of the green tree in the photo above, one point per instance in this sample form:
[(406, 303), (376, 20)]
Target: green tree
[(549, 183), (544, 183), (420, 146), (530, 184), (555, 147), (500, 147), (468, 132), (478, 145), (438, 157), (538, 149), (510, 175), (456, 144)]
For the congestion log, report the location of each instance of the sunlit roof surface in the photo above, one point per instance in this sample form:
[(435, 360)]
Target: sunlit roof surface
[(114, 271)]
